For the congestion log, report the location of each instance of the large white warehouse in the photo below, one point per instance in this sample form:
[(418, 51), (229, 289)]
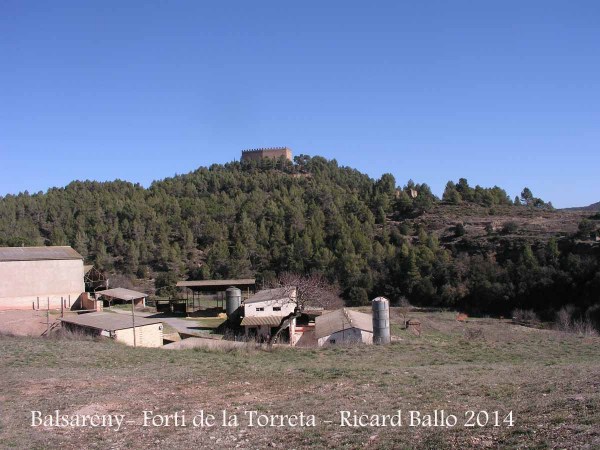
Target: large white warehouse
[(35, 277)]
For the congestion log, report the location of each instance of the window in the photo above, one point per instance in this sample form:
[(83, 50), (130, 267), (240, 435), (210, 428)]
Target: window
[(260, 309), (276, 308), (332, 341)]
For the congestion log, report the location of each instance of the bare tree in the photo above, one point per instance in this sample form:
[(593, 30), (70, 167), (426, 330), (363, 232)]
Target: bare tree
[(311, 291), (306, 291)]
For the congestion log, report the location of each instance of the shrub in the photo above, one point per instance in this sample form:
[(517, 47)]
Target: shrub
[(459, 230), (472, 334), (510, 228), (567, 322), (525, 315)]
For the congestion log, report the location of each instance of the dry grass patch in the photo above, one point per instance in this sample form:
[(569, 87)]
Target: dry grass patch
[(551, 382)]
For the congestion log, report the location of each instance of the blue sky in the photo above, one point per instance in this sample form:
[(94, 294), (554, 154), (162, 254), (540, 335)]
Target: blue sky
[(500, 92)]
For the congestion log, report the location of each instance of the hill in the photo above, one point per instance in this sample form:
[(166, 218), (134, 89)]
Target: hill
[(474, 249), (592, 207)]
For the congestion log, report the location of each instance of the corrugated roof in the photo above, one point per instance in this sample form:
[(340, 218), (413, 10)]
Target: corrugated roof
[(122, 294), (254, 321), (108, 321), (210, 283), (38, 253), (342, 319), (283, 293)]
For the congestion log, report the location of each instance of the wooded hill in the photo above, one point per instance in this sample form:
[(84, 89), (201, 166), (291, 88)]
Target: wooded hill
[(475, 249)]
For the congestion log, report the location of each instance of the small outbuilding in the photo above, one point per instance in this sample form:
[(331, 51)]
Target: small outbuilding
[(148, 332), (122, 295), (344, 326)]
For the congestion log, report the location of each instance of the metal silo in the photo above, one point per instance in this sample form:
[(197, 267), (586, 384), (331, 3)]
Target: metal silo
[(233, 300), (381, 321)]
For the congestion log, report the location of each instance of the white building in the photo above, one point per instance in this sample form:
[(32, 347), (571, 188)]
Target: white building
[(264, 311), (120, 327), (40, 277), (344, 326)]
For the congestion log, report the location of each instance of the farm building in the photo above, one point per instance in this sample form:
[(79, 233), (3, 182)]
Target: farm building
[(94, 279), (40, 277), (122, 295), (148, 332), (304, 331), (344, 326), (200, 288), (264, 311)]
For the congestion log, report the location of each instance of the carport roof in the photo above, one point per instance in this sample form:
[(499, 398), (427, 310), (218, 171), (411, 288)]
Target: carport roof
[(212, 285), (122, 294)]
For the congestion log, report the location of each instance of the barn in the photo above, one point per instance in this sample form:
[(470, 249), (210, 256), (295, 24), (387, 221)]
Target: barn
[(120, 327), (40, 277), (264, 311), (344, 326)]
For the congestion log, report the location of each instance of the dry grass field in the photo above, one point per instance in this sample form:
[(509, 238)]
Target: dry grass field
[(549, 380)]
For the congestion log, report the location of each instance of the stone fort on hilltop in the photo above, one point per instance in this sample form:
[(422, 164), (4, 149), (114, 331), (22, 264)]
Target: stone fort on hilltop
[(261, 153)]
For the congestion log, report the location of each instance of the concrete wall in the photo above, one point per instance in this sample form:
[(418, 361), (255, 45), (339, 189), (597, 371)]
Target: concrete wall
[(146, 336), (346, 337), (23, 282), (304, 336)]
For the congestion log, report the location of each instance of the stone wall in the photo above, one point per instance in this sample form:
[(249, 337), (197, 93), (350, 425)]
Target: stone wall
[(260, 153)]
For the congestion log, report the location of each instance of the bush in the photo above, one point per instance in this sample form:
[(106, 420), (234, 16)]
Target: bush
[(459, 230), (586, 229), (472, 334), (567, 322), (526, 316), (510, 228)]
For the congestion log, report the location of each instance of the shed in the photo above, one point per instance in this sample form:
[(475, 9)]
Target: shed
[(124, 295), (40, 277), (148, 332), (344, 326), (218, 287)]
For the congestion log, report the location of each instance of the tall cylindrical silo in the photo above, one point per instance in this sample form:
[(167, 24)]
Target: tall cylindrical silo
[(381, 321), (233, 300)]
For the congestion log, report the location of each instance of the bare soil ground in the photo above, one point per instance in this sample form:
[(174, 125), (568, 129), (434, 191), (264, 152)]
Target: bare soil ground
[(549, 380), (26, 323)]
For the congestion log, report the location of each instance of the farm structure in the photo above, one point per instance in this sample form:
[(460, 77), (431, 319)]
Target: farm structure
[(200, 288), (264, 312), (143, 333), (94, 279), (40, 277), (304, 331), (122, 295), (344, 326)]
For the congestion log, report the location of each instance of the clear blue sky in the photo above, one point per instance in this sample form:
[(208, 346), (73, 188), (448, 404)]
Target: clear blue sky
[(498, 92)]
